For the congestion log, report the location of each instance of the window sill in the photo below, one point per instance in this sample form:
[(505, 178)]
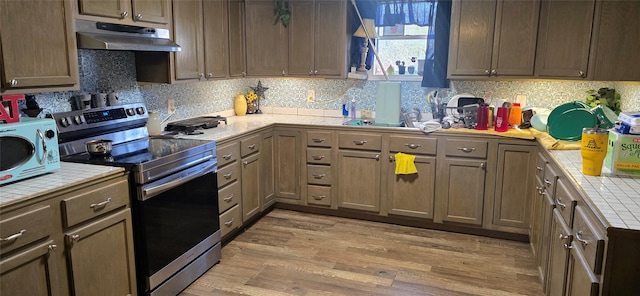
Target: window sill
[(406, 77)]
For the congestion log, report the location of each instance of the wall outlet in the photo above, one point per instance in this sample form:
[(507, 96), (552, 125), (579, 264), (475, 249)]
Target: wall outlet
[(171, 105), (311, 96)]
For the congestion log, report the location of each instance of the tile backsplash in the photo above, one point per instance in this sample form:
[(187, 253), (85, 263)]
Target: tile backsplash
[(115, 71)]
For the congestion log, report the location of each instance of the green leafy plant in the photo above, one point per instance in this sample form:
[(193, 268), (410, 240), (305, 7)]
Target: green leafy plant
[(604, 96), (281, 12)]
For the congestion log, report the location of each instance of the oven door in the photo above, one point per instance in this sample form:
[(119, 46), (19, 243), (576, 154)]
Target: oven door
[(176, 221)]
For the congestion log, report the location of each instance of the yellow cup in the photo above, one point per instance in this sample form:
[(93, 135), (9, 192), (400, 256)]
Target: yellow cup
[(593, 150)]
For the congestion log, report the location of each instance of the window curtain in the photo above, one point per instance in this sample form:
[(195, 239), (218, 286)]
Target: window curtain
[(436, 14)]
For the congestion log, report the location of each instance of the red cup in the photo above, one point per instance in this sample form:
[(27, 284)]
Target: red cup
[(502, 120), (482, 119)]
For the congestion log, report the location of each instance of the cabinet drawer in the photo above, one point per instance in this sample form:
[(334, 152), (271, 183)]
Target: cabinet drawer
[(541, 164), (466, 148), (413, 145), (565, 201), (228, 153), (319, 195), (550, 179), (319, 155), (589, 238), (95, 202), (229, 196), (319, 175), (250, 145), (228, 174), (360, 141), (25, 228), (230, 220), (319, 139)]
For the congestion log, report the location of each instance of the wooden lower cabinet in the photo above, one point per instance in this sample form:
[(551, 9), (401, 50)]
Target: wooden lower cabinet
[(250, 186), (580, 279), (558, 255), (267, 170), (462, 191), (288, 154), (31, 272), (413, 195), (100, 256), (358, 180)]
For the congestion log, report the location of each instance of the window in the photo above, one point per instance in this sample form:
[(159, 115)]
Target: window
[(401, 45)]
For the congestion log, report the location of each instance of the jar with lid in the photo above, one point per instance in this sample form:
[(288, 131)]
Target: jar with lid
[(153, 123)]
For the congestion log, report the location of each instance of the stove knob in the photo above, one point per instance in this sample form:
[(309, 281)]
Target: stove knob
[(52, 156), (131, 112), (140, 110), (49, 134), (77, 119), (65, 121)]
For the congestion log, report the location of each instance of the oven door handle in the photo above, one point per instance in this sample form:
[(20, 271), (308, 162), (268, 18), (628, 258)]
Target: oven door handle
[(188, 175)]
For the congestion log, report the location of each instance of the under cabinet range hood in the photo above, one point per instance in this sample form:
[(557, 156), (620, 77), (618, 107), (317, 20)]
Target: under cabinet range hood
[(99, 35)]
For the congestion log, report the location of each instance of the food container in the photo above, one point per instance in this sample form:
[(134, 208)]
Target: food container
[(623, 154), (99, 147), (629, 123)]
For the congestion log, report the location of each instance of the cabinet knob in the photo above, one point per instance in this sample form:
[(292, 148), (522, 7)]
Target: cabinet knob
[(201, 75), (244, 74), (284, 73), (315, 72), (391, 158), (52, 247), (377, 156), (123, 15), (13, 82), (494, 72), (486, 71), (483, 165), (539, 168), (581, 74), (310, 72), (138, 16), (567, 246), (209, 75)]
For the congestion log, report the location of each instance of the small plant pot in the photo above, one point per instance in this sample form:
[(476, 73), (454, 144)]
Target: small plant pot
[(401, 70), (411, 69)]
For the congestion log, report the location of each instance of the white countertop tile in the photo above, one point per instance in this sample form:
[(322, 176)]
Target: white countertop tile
[(69, 174)]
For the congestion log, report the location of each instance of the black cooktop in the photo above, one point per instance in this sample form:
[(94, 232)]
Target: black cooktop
[(189, 125)]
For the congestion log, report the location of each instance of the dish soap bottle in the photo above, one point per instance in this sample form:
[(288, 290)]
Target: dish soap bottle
[(352, 109)]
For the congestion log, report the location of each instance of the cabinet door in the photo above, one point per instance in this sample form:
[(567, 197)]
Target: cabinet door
[(301, 38), (462, 194), (250, 186), (330, 39), (616, 44), (100, 257), (516, 32), (117, 9), (236, 39), (580, 281), (471, 44), (267, 169), (545, 234), (514, 183), (359, 180), (32, 272), (564, 38), (412, 195), (287, 161), (151, 11), (266, 43), (187, 26), (216, 33), (558, 255), (38, 45)]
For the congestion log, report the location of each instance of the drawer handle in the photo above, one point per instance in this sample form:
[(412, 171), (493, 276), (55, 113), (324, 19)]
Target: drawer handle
[(52, 248), (228, 198), (413, 146), (13, 236), (100, 204), (559, 202), (318, 140), (539, 189), (360, 143), (391, 158), (538, 168), (547, 183), (319, 176), (227, 156), (580, 239), (318, 197), (317, 157), (228, 176), (567, 246), (252, 146), (466, 150), (229, 223), (563, 236)]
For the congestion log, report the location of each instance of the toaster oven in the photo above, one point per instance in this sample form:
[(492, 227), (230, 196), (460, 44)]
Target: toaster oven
[(28, 148)]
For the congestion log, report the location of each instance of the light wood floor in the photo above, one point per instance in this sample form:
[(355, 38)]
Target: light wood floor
[(293, 253)]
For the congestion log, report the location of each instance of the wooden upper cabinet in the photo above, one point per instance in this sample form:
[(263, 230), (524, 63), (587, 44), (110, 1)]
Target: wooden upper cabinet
[(216, 42), (493, 38), (617, 40), (236, 39), (187, 26), (301, 38), (128, 11), (564, 39), (43, 29), (266, 41), (330, 55)]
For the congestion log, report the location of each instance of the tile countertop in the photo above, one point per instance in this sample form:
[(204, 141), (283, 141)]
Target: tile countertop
[(69, 174)]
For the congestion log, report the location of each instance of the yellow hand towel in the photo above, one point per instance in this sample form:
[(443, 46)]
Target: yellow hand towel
[(405, 164)]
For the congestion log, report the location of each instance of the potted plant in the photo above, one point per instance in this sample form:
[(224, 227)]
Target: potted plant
[(401, 67)]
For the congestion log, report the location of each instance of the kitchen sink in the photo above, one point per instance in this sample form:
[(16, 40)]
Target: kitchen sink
[(359, 122)]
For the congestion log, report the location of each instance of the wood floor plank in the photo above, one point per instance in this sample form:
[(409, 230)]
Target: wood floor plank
[(292, 253)]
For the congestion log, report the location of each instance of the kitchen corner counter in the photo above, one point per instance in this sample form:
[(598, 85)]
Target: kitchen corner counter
[(70, 174)]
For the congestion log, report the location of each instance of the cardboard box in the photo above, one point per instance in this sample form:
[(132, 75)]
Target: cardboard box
[(623, 154)]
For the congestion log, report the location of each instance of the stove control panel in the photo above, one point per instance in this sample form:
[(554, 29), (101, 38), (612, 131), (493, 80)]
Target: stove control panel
[(96, 118)]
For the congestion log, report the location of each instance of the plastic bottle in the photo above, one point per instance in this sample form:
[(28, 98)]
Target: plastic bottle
[(345, 109), (352, 109), (515, 115)]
